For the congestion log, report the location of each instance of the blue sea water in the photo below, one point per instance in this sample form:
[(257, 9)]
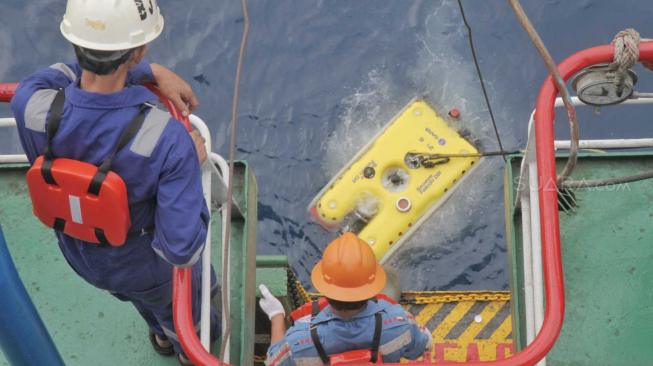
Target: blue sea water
[(321, 77)]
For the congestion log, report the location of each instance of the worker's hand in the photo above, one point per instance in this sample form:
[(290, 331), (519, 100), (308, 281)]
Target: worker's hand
[(199, 141), (270, 304), (175, 89)]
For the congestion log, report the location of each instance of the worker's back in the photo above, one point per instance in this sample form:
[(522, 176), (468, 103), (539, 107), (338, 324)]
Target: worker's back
[(400, 336), (159, 167)]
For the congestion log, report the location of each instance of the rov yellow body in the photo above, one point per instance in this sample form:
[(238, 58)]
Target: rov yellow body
[(398, 177)]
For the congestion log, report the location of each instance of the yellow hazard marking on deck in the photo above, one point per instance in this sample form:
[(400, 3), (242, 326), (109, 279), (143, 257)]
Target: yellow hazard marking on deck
[(427, 313), (505, 329), (480, 321), (466, 326), (452, 319)]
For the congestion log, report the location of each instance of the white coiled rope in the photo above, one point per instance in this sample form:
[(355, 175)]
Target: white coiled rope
[(626, 54)]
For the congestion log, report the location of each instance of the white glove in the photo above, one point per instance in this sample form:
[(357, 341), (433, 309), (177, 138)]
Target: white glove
[(270, 304)]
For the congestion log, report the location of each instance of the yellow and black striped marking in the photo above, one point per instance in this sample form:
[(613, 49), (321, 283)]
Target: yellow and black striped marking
[(466, 326)]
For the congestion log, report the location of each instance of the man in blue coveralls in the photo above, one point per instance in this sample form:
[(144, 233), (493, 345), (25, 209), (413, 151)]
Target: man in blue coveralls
[(354, 320), (160, 166)]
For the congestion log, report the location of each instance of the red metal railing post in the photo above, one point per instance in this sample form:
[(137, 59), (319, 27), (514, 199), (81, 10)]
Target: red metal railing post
[(182, 306), (7, 91), (183, 318)]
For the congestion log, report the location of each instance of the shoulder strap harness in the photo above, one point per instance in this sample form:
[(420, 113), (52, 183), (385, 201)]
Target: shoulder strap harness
[(54, 120), (376, 341)]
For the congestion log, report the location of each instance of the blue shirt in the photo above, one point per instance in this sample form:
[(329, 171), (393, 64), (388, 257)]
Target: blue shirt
[(401, 336), (159, 166)]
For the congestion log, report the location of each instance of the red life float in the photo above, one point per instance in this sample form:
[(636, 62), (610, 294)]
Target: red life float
[(81, 200), (356, 356)]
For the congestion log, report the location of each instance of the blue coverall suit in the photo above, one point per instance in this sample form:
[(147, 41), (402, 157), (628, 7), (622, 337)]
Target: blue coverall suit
[(400, 336), (161, 170)]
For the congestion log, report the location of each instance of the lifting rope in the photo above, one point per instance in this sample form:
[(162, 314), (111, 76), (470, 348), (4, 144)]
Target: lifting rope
[(416, 160), (560, 85), (229, 203)]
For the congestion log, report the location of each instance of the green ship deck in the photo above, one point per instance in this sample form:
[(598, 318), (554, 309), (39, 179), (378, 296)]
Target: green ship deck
[(90, 326), (606, 253)]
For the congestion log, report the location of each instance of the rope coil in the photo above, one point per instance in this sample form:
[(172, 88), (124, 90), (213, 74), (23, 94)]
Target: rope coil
[(626, 54), (626, 48)]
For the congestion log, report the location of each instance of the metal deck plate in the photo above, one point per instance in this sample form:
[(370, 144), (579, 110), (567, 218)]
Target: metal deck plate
[(607, 254)]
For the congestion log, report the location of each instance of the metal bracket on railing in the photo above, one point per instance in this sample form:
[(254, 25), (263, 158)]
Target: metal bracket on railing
[(220, 169)]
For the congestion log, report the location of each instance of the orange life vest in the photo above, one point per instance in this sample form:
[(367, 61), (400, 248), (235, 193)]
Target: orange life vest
[(80, 199)]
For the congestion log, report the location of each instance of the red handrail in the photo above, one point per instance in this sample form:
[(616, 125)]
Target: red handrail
[(171, 107), (182, 308)]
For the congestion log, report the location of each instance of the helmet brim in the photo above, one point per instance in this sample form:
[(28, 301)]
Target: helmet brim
[(126, 45), (349, 294)]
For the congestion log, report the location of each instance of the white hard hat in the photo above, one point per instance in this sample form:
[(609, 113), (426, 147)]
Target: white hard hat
[(111, 25)]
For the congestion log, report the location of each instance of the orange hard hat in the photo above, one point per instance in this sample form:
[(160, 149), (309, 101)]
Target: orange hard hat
[(348, 270)]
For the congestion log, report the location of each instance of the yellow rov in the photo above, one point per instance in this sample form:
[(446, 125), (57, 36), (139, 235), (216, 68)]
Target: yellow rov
[(384, 192)]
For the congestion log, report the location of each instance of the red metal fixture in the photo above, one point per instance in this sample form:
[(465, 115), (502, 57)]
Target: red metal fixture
[(454, 113), (171, 107), (7, 91), (182, 311), (182, 308)]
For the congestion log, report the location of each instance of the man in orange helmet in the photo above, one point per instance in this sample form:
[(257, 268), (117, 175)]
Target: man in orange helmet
[(356, 321)]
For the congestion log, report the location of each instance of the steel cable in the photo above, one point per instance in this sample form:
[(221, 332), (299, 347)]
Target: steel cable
[(480, 76)]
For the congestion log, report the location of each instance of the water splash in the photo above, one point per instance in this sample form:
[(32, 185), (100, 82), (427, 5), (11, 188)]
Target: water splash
[(364, 113)]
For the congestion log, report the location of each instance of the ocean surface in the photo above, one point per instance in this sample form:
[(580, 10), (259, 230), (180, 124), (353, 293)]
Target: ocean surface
[(321, 77)]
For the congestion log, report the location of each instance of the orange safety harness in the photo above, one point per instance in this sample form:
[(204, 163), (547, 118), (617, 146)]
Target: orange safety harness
[(82, 200), (351, 357)]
